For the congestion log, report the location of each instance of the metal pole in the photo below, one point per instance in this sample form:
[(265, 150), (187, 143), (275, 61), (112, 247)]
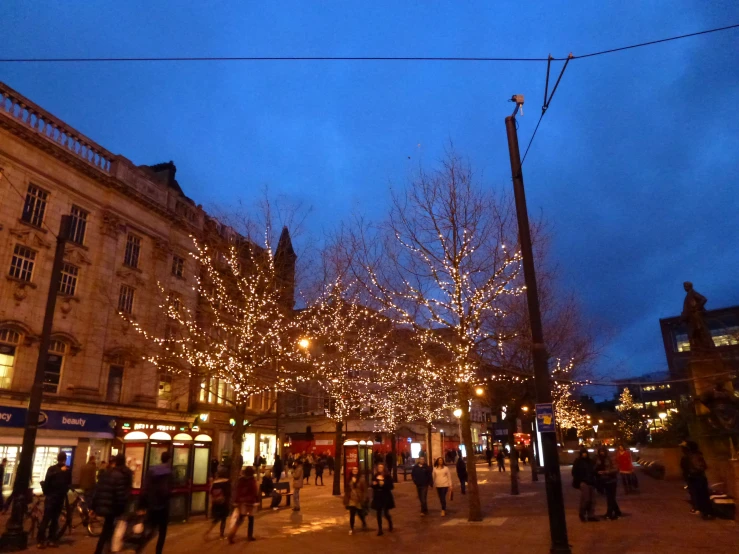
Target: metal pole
[(15, 538), (555, 500)]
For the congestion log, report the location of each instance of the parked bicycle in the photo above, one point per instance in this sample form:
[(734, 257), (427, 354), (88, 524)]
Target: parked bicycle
[(35, 513), (87, 518)]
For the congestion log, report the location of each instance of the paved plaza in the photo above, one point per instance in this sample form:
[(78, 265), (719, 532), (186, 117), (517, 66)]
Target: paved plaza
[(656, 521)]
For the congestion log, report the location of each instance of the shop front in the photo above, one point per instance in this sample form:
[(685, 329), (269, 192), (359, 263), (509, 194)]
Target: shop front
[(78, 435), (143, 444)]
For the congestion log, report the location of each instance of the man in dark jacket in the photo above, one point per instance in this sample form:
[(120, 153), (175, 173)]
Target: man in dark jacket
[(423, 479), (155, 500), (489, 456), (277, 468), (583, 478), (111, 497), (55, 487), (694, 468), (462, 473)]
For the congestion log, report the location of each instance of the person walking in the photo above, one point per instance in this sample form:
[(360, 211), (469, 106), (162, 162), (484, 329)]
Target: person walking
[(382, 497), (462, 473), (489, 457), (694, 469), (297, 484), (245, 501), (625, 468), (307, 464), (319, 470), (54, 486), (500, 458), (88, 478), (355, 499), (220, 500), (154, 499), (423, 479), (583, 478), (330, 463), (607, 478), (111, 497), (277, 469), (442, 478)]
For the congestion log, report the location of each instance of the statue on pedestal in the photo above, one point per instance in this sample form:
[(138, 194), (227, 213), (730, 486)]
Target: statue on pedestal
[(694, 308)]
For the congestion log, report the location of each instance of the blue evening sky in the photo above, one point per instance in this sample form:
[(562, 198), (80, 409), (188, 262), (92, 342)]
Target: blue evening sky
[(635, 164)]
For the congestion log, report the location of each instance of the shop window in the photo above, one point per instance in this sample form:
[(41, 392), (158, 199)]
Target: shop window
[(68, 283), (8, 344), (79, 225), (54, 366), (115, 384), (21, 266), (34, 207), (133, 250)]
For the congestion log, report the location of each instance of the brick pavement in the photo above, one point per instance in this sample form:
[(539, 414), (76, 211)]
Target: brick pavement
[(656, 521)]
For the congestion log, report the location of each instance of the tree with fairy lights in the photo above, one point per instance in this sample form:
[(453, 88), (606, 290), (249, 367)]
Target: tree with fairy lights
[(346, 345), (239, 332), (629, 422), (569, 414), (441, 264)]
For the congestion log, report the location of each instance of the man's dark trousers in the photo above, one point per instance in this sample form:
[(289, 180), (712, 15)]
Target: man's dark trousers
[(423, 491)]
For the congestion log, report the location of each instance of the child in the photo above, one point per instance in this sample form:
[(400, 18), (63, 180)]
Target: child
[(220, 500)]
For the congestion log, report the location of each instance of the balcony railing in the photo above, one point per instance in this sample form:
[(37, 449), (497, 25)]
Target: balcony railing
[(30, 115)]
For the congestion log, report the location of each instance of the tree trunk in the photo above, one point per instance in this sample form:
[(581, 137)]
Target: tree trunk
[(512, 428), (473, 492), (429, 452), (394, 453), (339, 458), (237, 444)]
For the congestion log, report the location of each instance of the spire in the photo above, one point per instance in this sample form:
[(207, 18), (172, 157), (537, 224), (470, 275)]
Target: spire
[(285, 245), (285, 258)]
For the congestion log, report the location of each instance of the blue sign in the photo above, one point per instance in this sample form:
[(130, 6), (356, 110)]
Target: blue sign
[(410, 439), (59, 421), (545, 418)]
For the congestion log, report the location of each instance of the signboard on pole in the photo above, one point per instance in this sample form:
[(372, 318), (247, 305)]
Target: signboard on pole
[(545, 418)]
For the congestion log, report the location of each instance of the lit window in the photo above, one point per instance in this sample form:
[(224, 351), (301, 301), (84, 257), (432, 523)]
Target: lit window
[(221, 397), (54, 365), (79, 225), (8, 341), (133, 249), (125, 299), (174, 301), (68, 284), (178, 266), (35, 206), (165, 387), (21, 266)]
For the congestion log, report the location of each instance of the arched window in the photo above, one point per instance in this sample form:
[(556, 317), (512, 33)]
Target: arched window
[(54, 366), (9, 340)]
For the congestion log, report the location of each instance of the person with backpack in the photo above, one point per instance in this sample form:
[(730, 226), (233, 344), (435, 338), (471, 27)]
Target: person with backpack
[(111, 498), (694, 469), (220, 500), (55, 487), (583, 478), (154, 499), (246, 498), (607, 479)]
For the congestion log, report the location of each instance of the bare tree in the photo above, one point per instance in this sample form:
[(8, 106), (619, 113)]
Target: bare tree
[(442, 264)]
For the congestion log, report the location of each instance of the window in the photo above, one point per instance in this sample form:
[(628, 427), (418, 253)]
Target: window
[(125, 299), (21, 266), (174, 301), (133, 249), (79, 225), (54, 364), (115, 384), (8, 341), (178, 266), (164, 395), (68, 284), (35, 206)]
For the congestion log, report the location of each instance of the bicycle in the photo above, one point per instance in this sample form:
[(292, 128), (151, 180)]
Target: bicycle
[(35, 513), (87, 518)]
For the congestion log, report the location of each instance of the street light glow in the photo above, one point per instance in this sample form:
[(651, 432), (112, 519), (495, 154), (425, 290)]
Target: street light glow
[(479, 391), (303, 343), (525, 408), (457, 412)]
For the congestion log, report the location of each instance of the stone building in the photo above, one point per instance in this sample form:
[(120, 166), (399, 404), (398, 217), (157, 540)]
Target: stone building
[(129, 252)]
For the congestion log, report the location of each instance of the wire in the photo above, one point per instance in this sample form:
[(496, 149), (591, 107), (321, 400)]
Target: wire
[(356, 58), (532, 137)]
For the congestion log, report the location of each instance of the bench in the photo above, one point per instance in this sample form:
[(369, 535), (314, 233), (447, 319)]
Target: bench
[(283, 489)]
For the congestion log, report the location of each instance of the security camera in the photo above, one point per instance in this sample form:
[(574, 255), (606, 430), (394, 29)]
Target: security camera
[(518, 99)]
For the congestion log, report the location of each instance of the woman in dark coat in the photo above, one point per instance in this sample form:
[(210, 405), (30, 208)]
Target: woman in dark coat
[(382, 497), (607, 478)]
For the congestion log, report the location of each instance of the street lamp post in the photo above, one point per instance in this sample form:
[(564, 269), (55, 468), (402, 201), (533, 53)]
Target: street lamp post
[(552, 477)]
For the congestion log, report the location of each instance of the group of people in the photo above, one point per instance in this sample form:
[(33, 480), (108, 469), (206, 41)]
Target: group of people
[(499, 458), (320, 462), (601, 474), (440, 478)]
